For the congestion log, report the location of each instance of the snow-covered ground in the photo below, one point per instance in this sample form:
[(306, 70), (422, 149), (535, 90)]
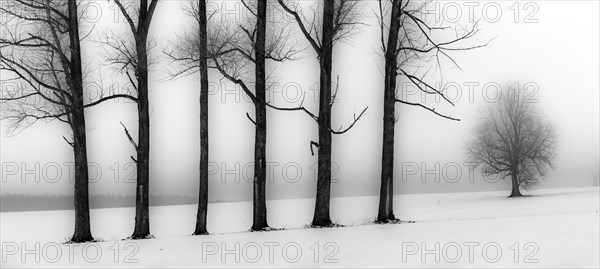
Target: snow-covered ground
[(551, 228)]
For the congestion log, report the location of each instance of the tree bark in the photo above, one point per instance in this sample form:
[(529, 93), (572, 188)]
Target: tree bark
[(513, 115), (82, 231), (82, 209), (203, 191), (142, 215), (321, 216), (259, 221), (386, 211), (515, 192), (142, 224)]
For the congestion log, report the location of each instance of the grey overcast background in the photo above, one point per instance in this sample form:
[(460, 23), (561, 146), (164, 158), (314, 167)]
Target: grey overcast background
[(552, 46)]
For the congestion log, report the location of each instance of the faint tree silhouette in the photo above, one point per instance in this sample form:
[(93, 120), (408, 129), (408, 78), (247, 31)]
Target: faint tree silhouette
[(513, 139)]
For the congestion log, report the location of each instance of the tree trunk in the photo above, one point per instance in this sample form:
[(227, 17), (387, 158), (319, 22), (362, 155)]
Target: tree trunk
[(259, 221), (142, 214), (386, 211), (142, 223), (515, 185), (321, 216), (514, 174), (203, 192), (82, 209)]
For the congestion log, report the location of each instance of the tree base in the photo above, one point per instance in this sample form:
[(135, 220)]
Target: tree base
[(81, 239), (265, 229), (514, 195), (386, 219), (393, 221), (330, 225), (201, 233), (260, 227), (134, 237), (322, 223)]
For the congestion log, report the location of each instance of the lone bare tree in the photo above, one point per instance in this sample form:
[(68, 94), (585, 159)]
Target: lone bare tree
[(190, 52), (408, 39), (338, 20), (135, 59), (513, 139), (40, 54)]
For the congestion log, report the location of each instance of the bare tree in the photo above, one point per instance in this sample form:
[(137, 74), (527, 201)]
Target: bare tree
[(40, 52), (407, 40), (338, 20), (203, 191), (190, 52), (133, 58), (513, 139), (259, 210)]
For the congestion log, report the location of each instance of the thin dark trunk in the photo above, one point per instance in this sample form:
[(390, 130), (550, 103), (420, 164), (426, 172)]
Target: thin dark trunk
[(321, 216), (82, 209), (142, 214), (203, 192), (386, 211), (259, 200), (142, 223)]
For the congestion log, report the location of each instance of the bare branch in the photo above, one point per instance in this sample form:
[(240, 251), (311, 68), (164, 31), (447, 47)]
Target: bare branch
[(355, 120), (250, 118), (126, 15), (135, 146), (315, 144), (68, 142), (428, 108), (316, 46)]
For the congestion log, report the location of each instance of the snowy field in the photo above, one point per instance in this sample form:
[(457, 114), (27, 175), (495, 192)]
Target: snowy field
[(551, 228)]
